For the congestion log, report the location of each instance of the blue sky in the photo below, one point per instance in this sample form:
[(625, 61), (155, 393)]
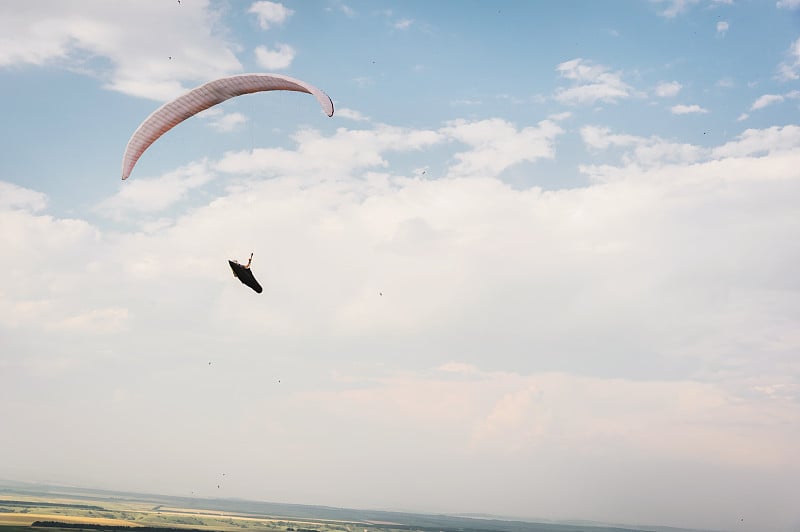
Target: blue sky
[(581, 217)]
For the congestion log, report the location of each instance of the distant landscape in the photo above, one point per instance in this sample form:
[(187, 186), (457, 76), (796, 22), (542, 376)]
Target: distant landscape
[(26, 507)]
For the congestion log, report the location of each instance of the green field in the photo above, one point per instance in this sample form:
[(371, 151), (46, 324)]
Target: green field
[(21, 506)]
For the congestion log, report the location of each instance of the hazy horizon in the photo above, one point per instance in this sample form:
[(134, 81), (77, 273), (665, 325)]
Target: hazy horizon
[(304, 511)]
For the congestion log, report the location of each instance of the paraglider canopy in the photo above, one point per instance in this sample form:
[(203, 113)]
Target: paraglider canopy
[(208, 95)]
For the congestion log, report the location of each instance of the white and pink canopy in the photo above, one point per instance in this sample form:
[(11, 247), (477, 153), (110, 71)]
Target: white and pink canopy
[(208, 95)]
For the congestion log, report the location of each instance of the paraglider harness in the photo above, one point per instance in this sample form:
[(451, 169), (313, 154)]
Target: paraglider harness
[(243, 273)]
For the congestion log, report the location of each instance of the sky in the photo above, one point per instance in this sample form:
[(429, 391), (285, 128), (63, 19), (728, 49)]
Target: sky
[(541, 262)]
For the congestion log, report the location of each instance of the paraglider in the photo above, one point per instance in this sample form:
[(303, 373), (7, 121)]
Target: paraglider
[(199, 99), (208, 95), (243, 273)]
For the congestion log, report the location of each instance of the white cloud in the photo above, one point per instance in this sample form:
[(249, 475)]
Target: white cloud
[(788, 4), (687, 109), (684, 391), (790, 69), (16, 197), (344, 8), (668, 89), (725, 83), (646, 151), (722, 28), (675, 7), (344, 152), (777, 390), (757, 142), (43, 259), (153, 195), (459, 367), (742, 117), (465, 101), (765, 101), (601, 138), (364, 81), (228, 121), (679, 7), (403, 24), (496, 145), (540, 422), (511, 99), (520, 414), (517, 413), (52, 34), (279, 58), (96, 321), (558, 117), (270, 13), (591, 83), (493, 146), (656, 153), (351, 114)]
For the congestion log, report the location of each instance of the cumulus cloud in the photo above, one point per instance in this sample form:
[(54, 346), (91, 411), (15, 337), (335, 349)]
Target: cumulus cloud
[(646, 151), (378, 197), (519, 422), (465, 101), (344, 152), (270, 13), (279, 58), (496, 145), (788, 4), (516, 412), (687, 109), (95, 321), (16, 197), (668, 89), (722, 28), (679, 7), (364, 81), (519, 414), (351, 114), (675, 7), (655, 152), (228, 121), (558, 117), (492, 147), (698, 390), (42, 258), (591, 83), (601, 138), (154, 195), (337, 5), (52, 34), (403, 24), (758, 142), (766, 100), (458, 367), (790, 68)]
